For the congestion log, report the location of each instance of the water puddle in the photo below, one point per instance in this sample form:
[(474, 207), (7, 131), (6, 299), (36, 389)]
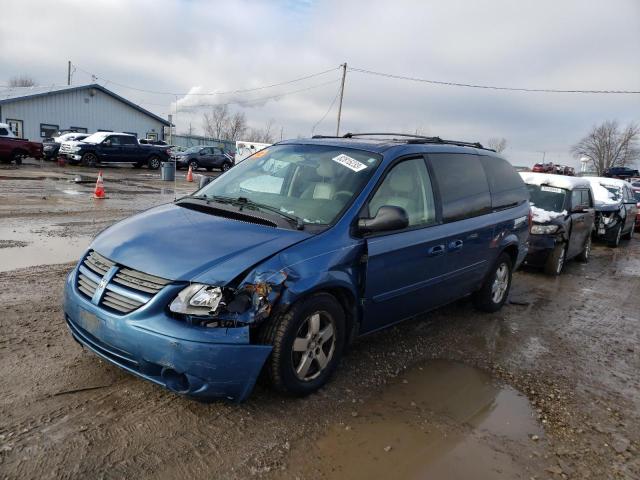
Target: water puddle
[(21, 247), (448, 421)]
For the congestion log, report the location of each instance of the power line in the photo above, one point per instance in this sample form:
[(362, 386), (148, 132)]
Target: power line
[(327, 112), (487, 87), (182, 94)]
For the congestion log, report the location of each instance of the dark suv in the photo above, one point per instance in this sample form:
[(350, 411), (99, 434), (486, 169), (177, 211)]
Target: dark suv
[(621, 172), (293, 253), (204, 157), (563, 217)]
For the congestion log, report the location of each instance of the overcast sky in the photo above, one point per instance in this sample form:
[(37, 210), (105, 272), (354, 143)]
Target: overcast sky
[(201, 46)]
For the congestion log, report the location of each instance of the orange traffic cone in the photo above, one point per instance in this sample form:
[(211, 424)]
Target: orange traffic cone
[(99, 191), (189, 175)]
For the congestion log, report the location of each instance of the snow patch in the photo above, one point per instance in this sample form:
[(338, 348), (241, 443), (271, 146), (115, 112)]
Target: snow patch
[(545, 216), (553, 180), (600, 194)]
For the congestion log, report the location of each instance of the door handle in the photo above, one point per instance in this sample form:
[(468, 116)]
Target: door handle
[(436, 250), (455, 245)]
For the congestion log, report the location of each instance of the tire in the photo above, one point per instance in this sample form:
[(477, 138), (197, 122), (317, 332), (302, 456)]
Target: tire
[(555, 262), (17, 157), (585, 254), (301, 362), (616, 238), (629, 235), (153, 163), (89, 159), (225, 166), (194, 165), (495, 289)]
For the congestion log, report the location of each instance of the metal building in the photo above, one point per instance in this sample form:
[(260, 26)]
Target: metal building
[(37, 113)]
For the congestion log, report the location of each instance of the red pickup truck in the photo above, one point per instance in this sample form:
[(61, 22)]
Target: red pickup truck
[(15, 149)]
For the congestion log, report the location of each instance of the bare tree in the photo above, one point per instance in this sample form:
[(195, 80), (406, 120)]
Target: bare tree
[(261, 135), (22, 81), (236, 127), (608, 145), (497, 144), (217, 122)]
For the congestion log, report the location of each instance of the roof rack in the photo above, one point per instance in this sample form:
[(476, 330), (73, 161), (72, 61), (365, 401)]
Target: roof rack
[(415, 139)]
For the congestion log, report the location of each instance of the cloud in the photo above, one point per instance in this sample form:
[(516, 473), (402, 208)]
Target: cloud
[(196, 46)]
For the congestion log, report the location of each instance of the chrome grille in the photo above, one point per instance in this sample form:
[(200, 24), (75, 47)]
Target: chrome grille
[(128, 289)]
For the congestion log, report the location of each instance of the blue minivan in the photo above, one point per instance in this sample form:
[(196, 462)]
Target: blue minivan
[(279, 263)]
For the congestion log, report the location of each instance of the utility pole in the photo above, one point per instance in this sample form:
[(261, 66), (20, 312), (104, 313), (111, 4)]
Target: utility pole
[(69, 72), (344, 74)]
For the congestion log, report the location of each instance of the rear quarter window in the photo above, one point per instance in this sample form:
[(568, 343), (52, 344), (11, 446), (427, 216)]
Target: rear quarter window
[(462, 184), (507, 187)]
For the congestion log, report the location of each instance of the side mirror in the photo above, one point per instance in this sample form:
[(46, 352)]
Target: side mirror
[(204, 180), (387, 218)]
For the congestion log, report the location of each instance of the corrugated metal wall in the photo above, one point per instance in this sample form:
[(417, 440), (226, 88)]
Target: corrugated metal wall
[(88, 108)]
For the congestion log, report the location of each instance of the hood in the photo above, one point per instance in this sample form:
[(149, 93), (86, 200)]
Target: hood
[(181, 244)]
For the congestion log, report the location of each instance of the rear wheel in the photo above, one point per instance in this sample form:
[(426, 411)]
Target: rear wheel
[(617, 235), (495, 289), (555, 262), (629, 235), (194, 165), (153, 163), (307, 344), (586, 253), (17, 157)]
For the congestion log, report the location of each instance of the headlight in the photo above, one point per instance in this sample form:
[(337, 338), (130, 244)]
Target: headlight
[(543, 229), (608, 219), (197, 299)]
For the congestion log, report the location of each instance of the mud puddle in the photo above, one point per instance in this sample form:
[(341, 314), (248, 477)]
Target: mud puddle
[(442, 420), (21, 247)]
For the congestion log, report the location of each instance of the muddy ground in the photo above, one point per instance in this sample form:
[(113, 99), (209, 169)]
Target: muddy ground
[(547, 388)]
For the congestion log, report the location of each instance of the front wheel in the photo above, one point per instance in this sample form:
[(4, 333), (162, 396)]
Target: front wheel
[(555, 262), (226, 166), (495, 289), (629, 235), (616, 238), (153, 163), (307, 344), (89, 160)]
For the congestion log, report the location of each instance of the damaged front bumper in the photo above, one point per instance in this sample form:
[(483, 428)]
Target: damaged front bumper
[(200, 362), (540, 247)]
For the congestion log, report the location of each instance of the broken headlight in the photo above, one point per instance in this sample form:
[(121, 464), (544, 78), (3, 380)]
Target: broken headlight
[(543, 229), (197, 299), (608, 219)]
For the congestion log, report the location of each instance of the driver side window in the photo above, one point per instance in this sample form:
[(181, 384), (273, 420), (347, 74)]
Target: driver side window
[(407, 185)]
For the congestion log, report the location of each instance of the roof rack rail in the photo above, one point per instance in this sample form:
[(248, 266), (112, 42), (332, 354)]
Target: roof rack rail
[(420, 139)]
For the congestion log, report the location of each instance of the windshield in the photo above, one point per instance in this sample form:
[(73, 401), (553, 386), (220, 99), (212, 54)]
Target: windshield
[(97, 137), (547, 198), (312, 183), (616, 192)]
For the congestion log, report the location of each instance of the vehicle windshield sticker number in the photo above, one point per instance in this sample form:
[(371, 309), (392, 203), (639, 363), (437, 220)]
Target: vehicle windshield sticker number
[(349, 162), (551, 189)]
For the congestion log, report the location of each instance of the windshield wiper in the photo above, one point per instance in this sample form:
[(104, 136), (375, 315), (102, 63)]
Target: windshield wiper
[(245, 202)]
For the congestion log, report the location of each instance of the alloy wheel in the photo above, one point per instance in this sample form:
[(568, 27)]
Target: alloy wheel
[(314, 346), (500, 283)]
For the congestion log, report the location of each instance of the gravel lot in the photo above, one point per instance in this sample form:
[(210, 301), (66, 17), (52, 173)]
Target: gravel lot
[(547, 388)]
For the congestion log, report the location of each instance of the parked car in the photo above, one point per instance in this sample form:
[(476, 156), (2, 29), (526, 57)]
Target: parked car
[(147, 141), (565, 170), (360, 235), (67, 145), (110, 147), (544, 168), (616, 209), (636, 193), (204, 157), (563, 217), (52, 146), (245, 149), (13, 149), (621, 172)]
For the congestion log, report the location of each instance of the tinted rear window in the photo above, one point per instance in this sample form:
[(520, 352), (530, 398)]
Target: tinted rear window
[(507, 187), (462, 184)]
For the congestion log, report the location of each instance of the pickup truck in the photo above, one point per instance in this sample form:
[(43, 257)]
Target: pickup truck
[(111, 147), (13, 149)]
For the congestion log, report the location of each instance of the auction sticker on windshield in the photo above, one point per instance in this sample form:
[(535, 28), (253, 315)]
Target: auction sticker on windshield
[(551, 189), (349, 162)]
